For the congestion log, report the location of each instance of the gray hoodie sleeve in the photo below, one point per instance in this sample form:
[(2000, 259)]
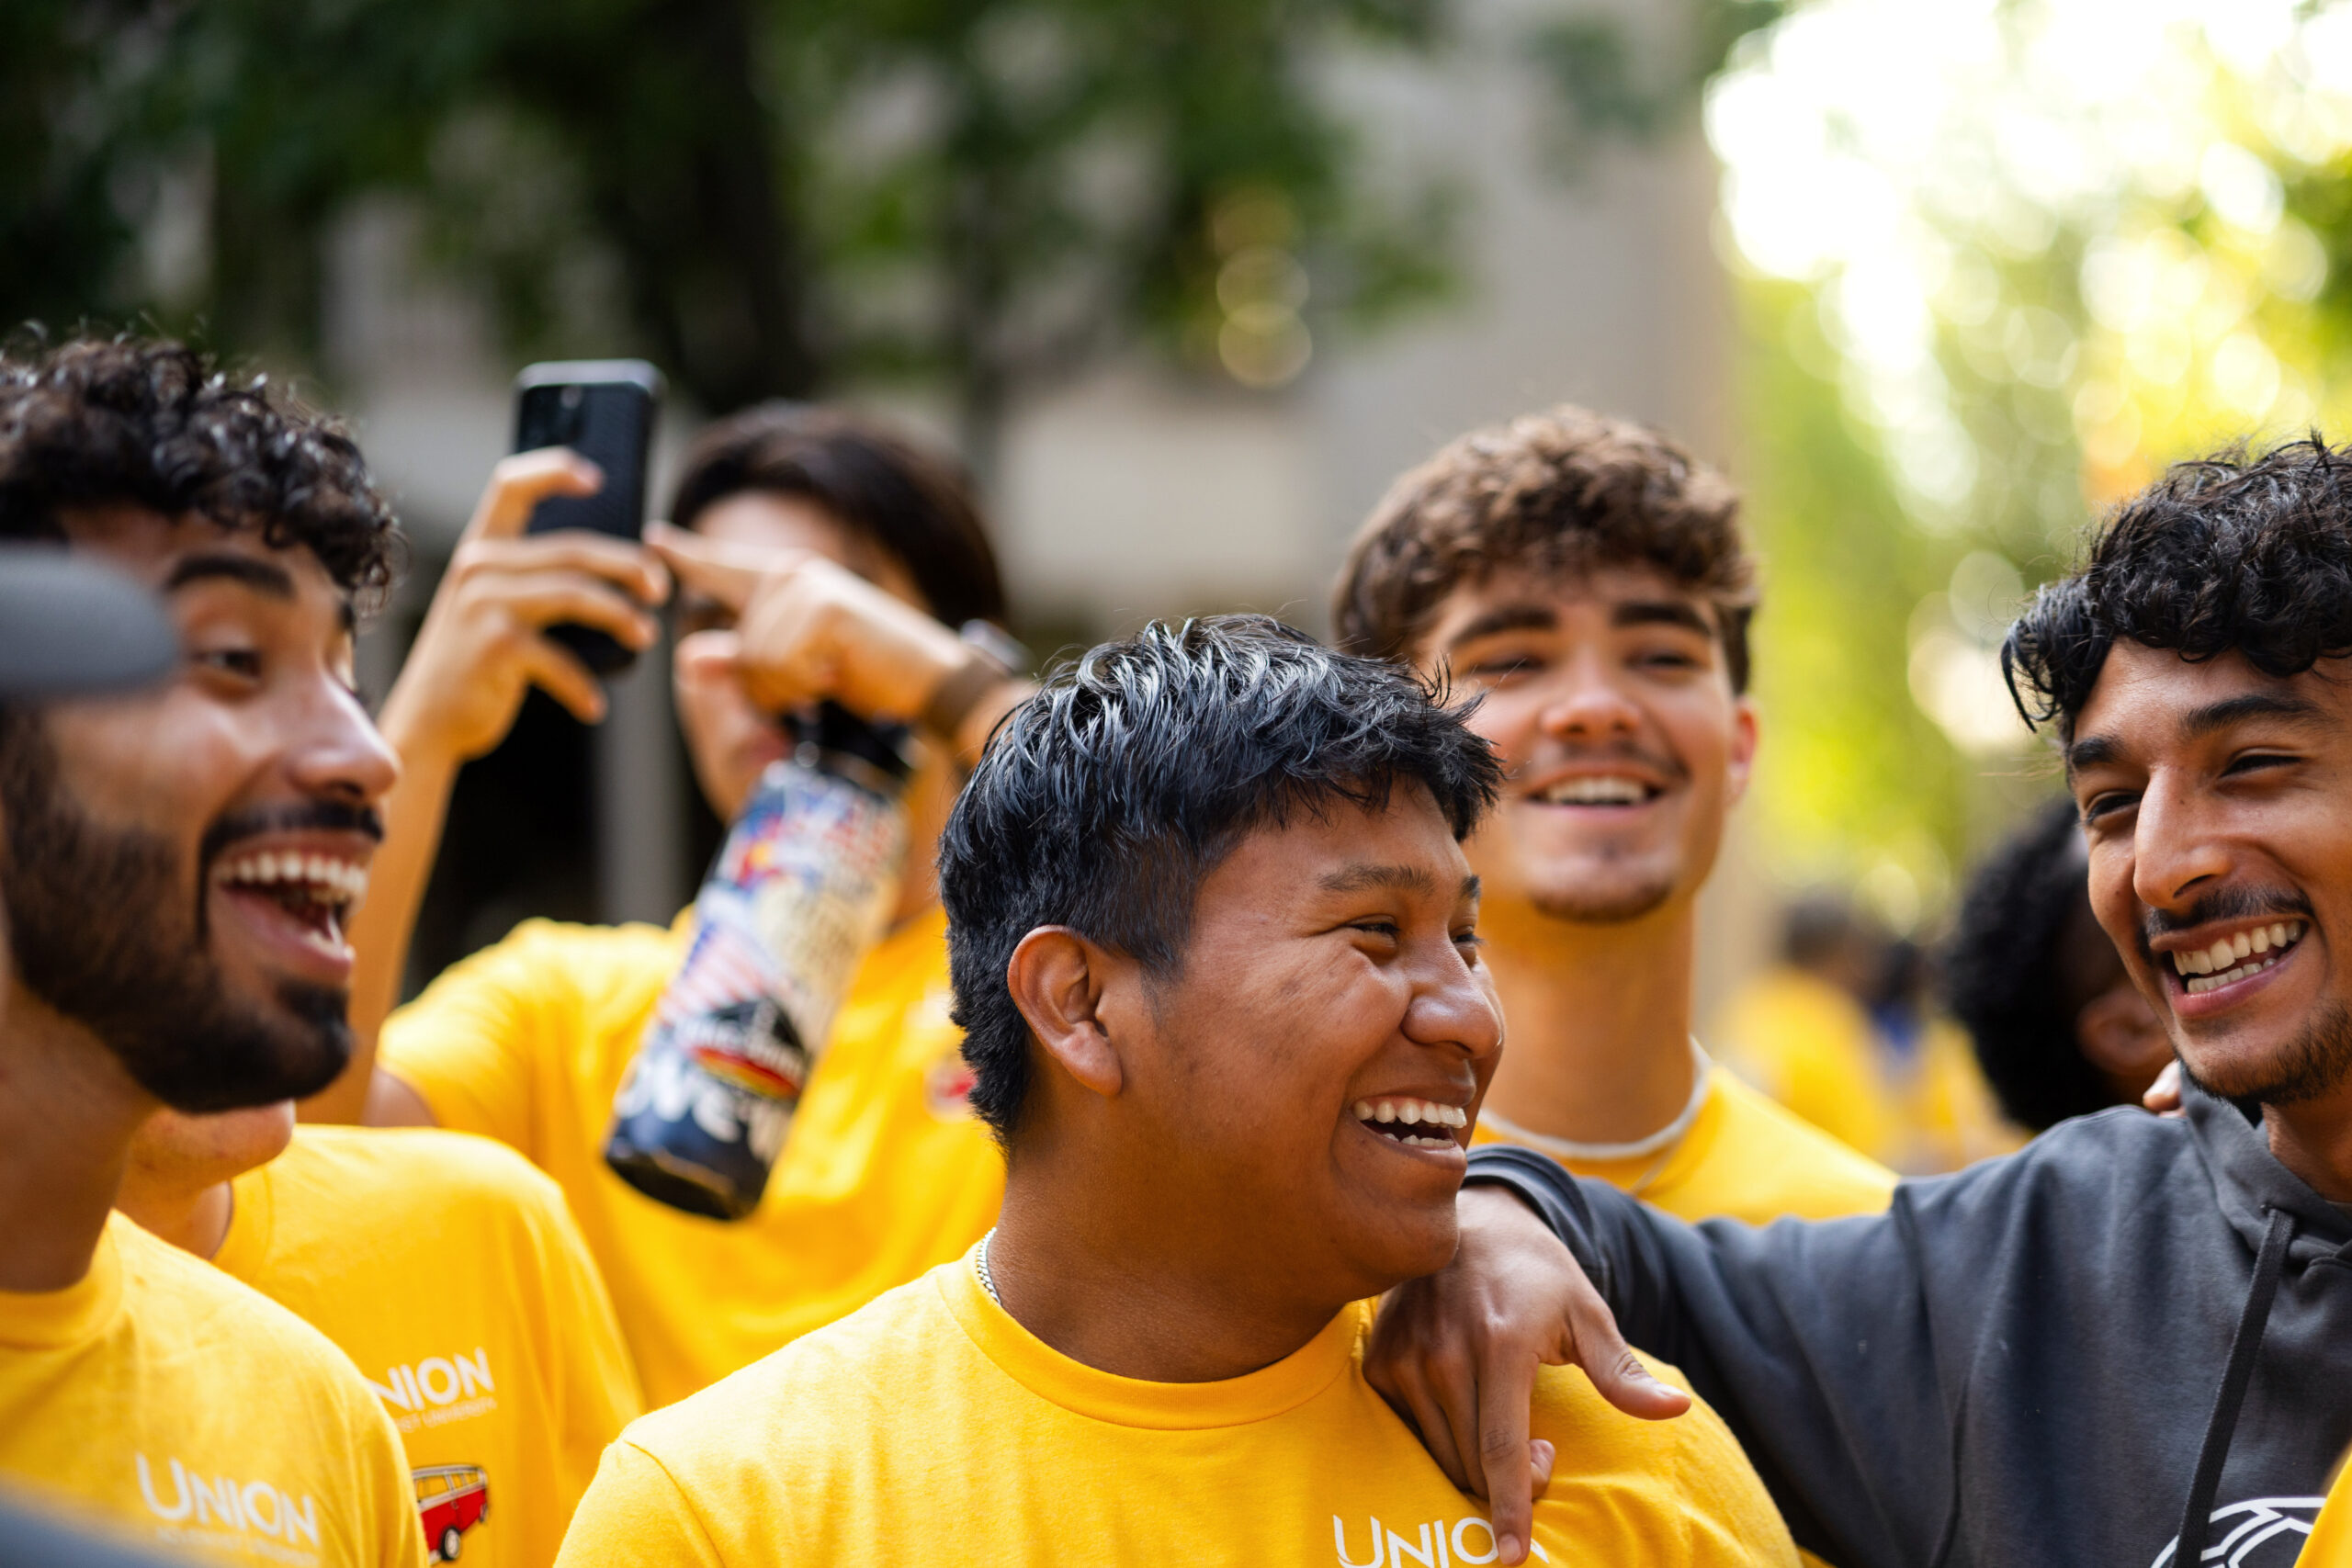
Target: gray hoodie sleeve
[(1811, 1340)]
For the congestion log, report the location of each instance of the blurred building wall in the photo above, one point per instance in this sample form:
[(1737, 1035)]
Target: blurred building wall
[(1140, 491)]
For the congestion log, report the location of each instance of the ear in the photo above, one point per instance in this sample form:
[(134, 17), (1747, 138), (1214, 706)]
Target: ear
[(2117, 1032), (1743, 748), (1057, 978)]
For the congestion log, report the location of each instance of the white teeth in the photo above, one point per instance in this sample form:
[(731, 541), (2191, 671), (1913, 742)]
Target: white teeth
[(1414, 1113), (324, 879), (2209, 968), (1606, 790)]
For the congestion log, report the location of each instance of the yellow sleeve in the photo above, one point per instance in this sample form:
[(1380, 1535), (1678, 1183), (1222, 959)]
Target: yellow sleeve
[(397, 1540), (635, 1516), (598, 1393), (467, 1044), (1730, 1518)]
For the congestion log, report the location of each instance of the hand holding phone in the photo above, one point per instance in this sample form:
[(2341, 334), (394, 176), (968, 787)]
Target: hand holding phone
[(604, 410), (485, 639)]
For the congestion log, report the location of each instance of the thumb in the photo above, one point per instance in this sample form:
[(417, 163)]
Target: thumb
[(708, 656), (519, 483), (1617, 1374)]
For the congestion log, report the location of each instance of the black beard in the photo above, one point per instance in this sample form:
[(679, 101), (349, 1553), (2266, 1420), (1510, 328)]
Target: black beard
[(103, 931), (2315, 1065)]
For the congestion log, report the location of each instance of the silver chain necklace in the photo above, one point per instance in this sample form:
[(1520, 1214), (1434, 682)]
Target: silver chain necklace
[(980, 1267)]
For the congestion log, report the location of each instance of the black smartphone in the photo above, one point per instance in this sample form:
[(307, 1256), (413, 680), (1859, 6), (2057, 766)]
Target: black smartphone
[(602, 409)]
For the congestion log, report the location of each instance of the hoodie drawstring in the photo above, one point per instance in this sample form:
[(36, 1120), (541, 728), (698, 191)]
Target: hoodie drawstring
[(2197, 1520)]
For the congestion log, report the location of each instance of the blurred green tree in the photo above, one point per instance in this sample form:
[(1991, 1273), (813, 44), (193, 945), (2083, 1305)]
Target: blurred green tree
[(774, 196)]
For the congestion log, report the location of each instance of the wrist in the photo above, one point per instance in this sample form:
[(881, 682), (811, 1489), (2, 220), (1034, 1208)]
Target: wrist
[(989, 664), (421, 745)]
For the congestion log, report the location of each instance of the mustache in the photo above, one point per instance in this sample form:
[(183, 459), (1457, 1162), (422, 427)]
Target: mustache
[(1556, 756), (2221, 904), (309, 816)]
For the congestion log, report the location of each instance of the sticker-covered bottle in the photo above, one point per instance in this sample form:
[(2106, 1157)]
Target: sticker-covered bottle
[(799, 892)]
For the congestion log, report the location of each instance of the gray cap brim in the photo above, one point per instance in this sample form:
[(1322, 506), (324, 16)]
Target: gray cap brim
[(70, 627)]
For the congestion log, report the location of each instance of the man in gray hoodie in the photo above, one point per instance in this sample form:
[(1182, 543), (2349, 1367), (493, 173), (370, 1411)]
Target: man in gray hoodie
[(2130, 1344)]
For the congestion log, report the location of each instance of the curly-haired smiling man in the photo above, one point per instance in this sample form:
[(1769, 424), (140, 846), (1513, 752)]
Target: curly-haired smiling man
[(151, 963)]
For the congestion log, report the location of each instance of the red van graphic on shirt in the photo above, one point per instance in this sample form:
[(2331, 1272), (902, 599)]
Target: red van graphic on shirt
[(450, 1499)]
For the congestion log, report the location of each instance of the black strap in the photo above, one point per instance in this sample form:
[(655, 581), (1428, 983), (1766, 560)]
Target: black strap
[(2196, 1519)]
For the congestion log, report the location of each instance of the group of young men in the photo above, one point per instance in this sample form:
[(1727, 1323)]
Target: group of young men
[(1187, 1043)]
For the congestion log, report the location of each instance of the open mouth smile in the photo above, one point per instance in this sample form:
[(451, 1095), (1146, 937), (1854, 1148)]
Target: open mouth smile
[(2238, 956), (1416, 1123), (312, 892), (1598, 789)]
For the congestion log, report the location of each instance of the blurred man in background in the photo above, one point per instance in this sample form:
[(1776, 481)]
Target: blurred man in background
[(1843, 1030), (2058, 1025), (442, 1265), (1589, 579), (149, 964), (818, 557), (1216, 947)]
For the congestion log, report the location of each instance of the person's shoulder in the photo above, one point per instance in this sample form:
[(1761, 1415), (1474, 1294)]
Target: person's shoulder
[(1815, 1175), (541, 956), (388, 1174), (823, 1389), (2120, 1151), (186, 1309), (1681, 1485)]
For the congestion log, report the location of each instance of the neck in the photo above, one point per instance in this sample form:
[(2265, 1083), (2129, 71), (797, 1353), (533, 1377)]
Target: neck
[(2313, 1139), (1600, 1018), (194, 1218), (1137, 1301), (68, 1111), (931, 796)]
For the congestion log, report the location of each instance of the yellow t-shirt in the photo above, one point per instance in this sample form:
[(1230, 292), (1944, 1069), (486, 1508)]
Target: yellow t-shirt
[(884, 1174), (163, 1397), (1746, 1158), (451, 1272), (2330, 1545), (1809, 1045), (932, 1427)]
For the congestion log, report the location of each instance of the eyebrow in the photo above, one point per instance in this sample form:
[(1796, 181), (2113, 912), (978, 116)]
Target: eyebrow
[(1525, 616), (1364, 876), (265, 578), (261, 576), (2199, 722), (1660, 611)]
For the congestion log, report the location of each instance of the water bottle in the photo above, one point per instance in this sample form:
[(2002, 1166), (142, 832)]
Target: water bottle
[(799, 892)]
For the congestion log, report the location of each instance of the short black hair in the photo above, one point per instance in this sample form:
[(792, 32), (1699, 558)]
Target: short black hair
[(2005, 972), (1106, 798), (2236, 552), (916, 504), (131, 421)]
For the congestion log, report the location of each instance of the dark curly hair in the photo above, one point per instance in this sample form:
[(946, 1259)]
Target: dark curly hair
[(2008, 979), (1567, 490), (2231, 553), (1105, 799), (92, 423)]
